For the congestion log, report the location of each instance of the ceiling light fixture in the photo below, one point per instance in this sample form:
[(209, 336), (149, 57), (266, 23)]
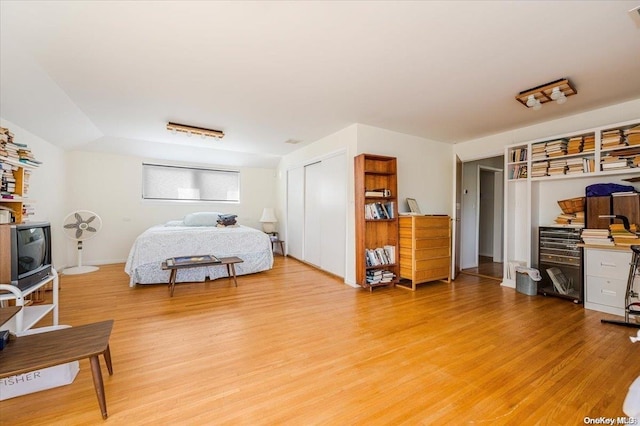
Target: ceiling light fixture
[(192, 130), (557, 90)]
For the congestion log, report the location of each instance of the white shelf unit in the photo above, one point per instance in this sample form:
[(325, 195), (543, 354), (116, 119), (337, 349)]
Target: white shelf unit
[(29, 316), (532, 202)]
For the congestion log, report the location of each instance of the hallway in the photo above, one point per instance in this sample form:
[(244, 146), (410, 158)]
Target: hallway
[(487, 268)]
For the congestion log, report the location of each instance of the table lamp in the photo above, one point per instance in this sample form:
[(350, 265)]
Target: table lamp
[(268, 220)]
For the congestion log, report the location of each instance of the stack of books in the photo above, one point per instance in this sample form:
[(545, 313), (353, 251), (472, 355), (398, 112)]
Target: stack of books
[(589, 143), (538, 152), (379, 192), (579, 165), (575, 145), (598, 237), (557, 148), (540, 169), (565, 218), (557, 167), (578, 219), (632, 135), (12, 150), (379, 276), (612, 139), (623, 237), (614, 162)]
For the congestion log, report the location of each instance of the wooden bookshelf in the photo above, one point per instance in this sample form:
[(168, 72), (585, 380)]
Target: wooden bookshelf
[(376, 172), (14, 176)]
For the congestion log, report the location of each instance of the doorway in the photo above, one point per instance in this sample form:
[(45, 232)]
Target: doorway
[(481, 222)]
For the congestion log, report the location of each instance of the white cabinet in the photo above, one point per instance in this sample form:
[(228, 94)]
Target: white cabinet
[(29, 316), (605, 276)]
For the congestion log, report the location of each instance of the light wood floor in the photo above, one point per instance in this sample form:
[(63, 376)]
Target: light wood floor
[(486, 268), (296, 346)]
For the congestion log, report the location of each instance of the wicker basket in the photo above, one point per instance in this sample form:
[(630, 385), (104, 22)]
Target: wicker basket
[(572, 205)]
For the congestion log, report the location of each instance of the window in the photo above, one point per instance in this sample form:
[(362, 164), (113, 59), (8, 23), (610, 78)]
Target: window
[(178, 183)]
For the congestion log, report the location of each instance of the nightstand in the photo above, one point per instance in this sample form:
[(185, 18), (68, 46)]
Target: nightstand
[(275, 240)]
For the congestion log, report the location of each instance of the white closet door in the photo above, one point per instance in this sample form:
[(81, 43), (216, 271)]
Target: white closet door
[(313, 177), (295, 212), (334, 214)]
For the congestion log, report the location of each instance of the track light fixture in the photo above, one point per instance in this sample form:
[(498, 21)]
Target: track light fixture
[(557, 90), (192, 130)]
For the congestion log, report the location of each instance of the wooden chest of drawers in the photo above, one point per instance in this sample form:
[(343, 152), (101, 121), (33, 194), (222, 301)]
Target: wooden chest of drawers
[(425, 249)]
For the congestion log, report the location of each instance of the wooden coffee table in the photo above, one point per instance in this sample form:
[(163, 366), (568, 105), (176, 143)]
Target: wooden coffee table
[(38, 351), (229, 262)]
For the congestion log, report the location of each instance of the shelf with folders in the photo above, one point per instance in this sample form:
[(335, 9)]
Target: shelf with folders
[(517, 162)]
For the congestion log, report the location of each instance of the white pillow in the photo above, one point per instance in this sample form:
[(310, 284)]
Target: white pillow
[(201, 219)]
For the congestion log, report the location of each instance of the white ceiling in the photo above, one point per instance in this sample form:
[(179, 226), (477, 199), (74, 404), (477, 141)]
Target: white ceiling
[(108, 76)]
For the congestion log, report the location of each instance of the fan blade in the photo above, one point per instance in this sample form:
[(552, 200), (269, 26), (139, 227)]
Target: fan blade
[(90, 219), (71, 225), (78, 233), (91, 229), (78, 217)]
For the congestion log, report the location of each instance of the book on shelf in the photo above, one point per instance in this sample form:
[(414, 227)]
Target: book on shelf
[(391, 253), (380, 256), (518, 154), (379, 210), (192, 260), (377, 192)]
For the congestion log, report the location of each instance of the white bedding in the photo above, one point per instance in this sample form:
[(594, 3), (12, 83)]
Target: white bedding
[(161, 242)]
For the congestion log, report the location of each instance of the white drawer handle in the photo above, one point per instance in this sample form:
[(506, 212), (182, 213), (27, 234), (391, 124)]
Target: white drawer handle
[(613, 265), (608, 292)]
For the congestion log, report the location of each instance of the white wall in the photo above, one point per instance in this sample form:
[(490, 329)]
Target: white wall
[(425, 171), (47, 187), (111, 185)]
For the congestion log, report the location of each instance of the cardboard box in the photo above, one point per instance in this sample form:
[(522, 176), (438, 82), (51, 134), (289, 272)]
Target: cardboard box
[(38, 380)]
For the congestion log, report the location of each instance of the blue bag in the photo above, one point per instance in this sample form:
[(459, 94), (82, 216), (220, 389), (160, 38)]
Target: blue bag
[(602, 189)]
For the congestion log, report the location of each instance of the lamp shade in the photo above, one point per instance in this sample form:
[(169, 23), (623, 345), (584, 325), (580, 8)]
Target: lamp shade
[(268, 220), (268, 215)]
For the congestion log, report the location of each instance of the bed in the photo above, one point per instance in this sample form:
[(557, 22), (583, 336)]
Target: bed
[(161, 242)]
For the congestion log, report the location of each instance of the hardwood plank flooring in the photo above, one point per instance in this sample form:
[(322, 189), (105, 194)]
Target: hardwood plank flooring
[(295, 346), (486, 268)]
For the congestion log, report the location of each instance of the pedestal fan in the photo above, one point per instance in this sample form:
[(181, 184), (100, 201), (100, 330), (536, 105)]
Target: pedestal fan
[(80, 226)]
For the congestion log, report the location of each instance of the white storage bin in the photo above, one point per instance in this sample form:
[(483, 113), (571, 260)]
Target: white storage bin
[(38, 380)]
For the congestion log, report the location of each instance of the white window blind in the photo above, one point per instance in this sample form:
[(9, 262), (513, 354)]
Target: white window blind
[(180, 183)]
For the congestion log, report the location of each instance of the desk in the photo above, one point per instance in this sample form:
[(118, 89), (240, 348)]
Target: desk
[(230, 263), (37, 351)]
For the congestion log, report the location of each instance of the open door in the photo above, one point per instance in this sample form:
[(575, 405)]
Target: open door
[(455, 267)]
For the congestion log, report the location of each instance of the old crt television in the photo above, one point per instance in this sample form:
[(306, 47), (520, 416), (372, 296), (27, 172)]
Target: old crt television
[(25, 253)]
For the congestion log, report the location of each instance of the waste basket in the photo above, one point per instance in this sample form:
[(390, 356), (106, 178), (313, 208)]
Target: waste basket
[(527, 280)]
